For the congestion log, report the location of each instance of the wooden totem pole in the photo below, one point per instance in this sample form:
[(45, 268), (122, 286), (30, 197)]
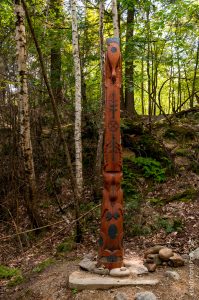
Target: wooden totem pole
[(111, 232)]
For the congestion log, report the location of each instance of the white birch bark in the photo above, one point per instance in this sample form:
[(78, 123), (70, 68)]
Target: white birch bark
[(115, 18), (102, 99), (25, 138), (78, 108)]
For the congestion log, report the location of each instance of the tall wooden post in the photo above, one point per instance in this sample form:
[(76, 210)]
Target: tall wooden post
[(111, 233)]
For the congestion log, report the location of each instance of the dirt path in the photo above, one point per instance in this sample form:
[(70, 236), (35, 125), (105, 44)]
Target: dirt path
[(52, 284)]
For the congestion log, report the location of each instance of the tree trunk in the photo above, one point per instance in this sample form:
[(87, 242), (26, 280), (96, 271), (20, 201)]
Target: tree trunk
[(25, 138), (58, 122), (115, 18), (142, 86), (55, 58), (179, 101), (55, 52), (122, 91), (129, 64), (186, 79), (78, 107), (170, 88), (148, 67), (194, 78), (99, 153)]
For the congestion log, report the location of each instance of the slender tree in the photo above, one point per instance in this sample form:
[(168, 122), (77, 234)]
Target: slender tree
[(115, 18), (194, 77), (78, 95), (129, 63), (102, 100), (55, 51), (25, 138)]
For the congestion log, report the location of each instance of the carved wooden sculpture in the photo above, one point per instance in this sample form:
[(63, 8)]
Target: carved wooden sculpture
[(111, 233)]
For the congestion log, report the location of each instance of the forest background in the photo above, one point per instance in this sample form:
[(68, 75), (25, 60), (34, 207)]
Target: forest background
[(52, 96)]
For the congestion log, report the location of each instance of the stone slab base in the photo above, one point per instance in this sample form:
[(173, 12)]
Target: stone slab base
[(86, 281)]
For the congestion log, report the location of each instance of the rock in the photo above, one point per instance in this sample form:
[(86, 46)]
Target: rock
[(172, 274), (154, 258), (151, 267), (121, 296), (87, 264), (145, 296), (171, 145), (135, 267), (182, 161), (120, 272), (101, 271), (176, 260), (138, 270), (153, 250), (149, 260), (185, 258), (165, 253), (90, 256), (194, 256), (88, 281)]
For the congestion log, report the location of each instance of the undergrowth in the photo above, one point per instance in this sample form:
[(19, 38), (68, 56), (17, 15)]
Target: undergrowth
[(43, 265)]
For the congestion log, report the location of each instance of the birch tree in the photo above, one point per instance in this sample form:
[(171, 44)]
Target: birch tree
[(55, 52), (115, 18), (129, 64), (25, 138), (102, 100), (78, 108)]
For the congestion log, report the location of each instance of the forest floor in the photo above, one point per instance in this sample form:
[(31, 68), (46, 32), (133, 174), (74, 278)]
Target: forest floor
[(169, 214)]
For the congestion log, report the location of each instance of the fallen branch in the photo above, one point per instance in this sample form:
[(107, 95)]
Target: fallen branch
[(50, 225)]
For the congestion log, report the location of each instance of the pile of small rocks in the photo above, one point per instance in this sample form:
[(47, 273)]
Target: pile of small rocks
[(160, 255)]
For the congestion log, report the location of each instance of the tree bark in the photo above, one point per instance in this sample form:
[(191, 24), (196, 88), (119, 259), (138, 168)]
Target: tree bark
[(148, 66), (99, 154), (25, 138), (129, 64), (194, 78), (115, 18), (52, 98), (58, 122), (55, 52), (78, 107), (142, 86)]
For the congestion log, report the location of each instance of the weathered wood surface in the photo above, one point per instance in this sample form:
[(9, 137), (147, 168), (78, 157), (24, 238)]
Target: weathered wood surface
[(111, 233)]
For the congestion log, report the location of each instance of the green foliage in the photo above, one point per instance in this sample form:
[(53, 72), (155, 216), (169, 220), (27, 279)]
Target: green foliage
[(130, 126), (43, 265), (185, 196), (156, 201), (13, 274), (181, 152), (138, 230), (132, 199), (170, 225), (66, 246), (128, 185), (74, 291), (151, 168), (16, 280), (6, 272), (179, 132)]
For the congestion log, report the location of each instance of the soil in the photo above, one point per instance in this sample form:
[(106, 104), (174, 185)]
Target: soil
[(52, 284)]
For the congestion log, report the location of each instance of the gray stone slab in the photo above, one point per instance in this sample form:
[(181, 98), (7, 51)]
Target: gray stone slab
[(86, 281)]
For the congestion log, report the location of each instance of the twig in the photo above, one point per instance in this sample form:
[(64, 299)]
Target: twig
[(17, 232), (49, 225)]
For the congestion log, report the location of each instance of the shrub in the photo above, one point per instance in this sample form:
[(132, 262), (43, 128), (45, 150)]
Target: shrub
[(151, 168)]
